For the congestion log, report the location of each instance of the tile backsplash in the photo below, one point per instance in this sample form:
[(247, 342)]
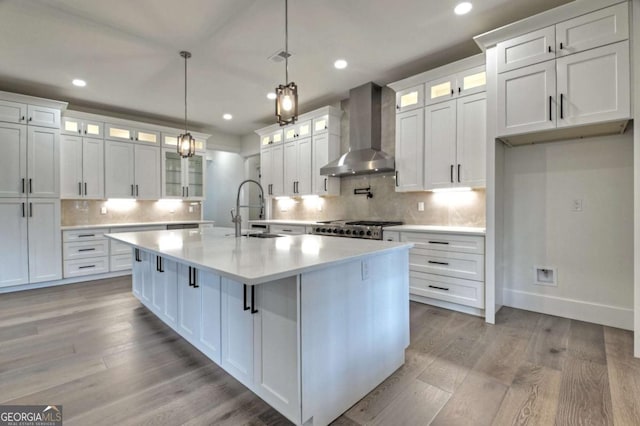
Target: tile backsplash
[(85, 212)]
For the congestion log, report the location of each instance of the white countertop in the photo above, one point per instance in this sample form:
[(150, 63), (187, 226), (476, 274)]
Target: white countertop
[(282, 222), (254, 260), (125, 225), (463, 230)]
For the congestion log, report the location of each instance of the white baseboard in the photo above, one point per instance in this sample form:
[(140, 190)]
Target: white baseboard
[(447, 305), (64, 281), (612, 316)]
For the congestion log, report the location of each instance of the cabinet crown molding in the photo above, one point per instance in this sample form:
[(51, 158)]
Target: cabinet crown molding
[(33, 100), (435, 73), (330, 110)]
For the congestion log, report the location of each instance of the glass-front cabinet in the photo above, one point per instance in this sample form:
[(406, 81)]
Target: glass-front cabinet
[(182, 177)]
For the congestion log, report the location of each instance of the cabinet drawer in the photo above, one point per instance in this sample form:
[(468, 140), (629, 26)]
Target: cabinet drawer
[(287, 229), (122, 262), (454, 290), (83, 249), (451, 264), (84, 235), (445, 242), (90, 266)]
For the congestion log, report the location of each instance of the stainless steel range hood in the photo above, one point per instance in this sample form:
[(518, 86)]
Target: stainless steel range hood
[(365, 154)]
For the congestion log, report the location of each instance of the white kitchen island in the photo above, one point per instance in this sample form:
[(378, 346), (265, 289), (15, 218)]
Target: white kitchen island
[(310, 324)]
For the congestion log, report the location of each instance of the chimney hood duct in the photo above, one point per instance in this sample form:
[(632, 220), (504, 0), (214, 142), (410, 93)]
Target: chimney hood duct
[(364, 155)]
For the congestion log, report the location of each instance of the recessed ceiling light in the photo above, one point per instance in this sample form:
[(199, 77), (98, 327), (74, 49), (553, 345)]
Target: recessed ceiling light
[(227, 116), (463, 8), (271, 96), (79, 83), (340, 64)]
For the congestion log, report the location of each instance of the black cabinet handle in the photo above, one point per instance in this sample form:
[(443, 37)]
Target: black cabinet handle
[(30, 186), (79, 188), (85, 188), (550, 104), (561, 106), (23, 213), (137, 255), (87, 249), (549, 48), (561, 47), (161, 260), (451, 174), (433, 262), (452, 92), (325, 184), (398, 107), (132, 190), (439, 288), (30, 209), (459, 90), (30, 119), (137, 190), (458, 173), (438, 242), (193, 277), (187, 191), (253, 300), (270, 189), (294, 187), (22, 118), (397, 179), (244, 298), (87, 235), (157, 263), (23, 186), (86, 267)]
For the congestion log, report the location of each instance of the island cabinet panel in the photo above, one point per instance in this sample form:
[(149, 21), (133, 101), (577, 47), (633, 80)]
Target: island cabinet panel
[(237, 331), (164, 276), (210, 331), (189, 303), (137, 272)]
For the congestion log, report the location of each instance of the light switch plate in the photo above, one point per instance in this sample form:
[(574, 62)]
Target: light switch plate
[(420, 206), (103, 210)]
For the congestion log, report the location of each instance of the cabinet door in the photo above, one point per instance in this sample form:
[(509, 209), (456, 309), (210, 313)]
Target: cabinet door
[(137, 275), (172, 185), (410, 98), (13, 162), (45, 247), (594, 85), (43, 162), (210, 327), (13, 112), (290, 167), (148, 266), (147, 172), (304, 171), (440, 145), (14, 248), (147, 136), (237, 331), (326, 147), (303, 129), (472, 81), (195, 175), (471, 140), (170, 275), (321, 125), (528, 49), (43, 116), (119, 169), (266, 169), (93, 129), (71, 167), (71, 126), (189, 307), (526, 99), (93, 168), (409, 151), (158, 287), (440, 90), (277, 183), (604, 26), (116, 132), (276, 344)]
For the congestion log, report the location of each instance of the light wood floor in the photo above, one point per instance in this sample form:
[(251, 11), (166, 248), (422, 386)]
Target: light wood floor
[(93, 348)]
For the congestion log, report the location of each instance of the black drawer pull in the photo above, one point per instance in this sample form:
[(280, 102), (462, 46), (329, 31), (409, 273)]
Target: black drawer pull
[(86, 235), (253, 300), (438, 242), (87, 249), (438, 263), (244, 298), (439, 288), (86, 267), (137, 255)]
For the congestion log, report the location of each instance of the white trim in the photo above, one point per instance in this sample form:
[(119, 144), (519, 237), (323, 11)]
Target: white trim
[(447, 305), (612, 316), (330, 110), (635, 103), (436, 73), (64, 281), (32, 100)]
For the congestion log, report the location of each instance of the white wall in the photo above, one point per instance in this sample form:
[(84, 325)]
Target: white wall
[(224, 142), (592, 249), (225, 171), (250, 145)]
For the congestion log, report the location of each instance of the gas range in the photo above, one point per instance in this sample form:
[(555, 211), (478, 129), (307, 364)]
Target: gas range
[(366, 229)]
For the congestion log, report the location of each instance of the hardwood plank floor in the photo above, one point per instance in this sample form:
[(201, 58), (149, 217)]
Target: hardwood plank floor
[(95, 349)]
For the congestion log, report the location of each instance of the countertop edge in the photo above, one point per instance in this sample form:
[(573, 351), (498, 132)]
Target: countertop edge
[(133, 224), (459, 230)]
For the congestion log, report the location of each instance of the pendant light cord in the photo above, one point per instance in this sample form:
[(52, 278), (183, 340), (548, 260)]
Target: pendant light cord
[(185, 94), (286, 41)]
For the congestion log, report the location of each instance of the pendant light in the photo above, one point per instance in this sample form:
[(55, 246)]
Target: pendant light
[(186, 143), (287, 94)]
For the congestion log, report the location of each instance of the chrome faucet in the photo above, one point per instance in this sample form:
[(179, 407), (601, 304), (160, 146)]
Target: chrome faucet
[(235, 213)]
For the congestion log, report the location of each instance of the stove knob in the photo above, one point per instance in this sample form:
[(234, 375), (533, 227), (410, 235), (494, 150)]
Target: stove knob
[(335, 230), (369, 233), (348, 232), (317, 229), (324, 230), (361, 233), (341, 231)]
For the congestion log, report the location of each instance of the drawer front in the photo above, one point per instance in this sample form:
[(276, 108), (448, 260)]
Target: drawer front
[(84, 235), (454, 290), (287, 229), (118, 248), (90, 266), (459, 265), (391, 236), (445, 242), (84, 249), (122, 262)]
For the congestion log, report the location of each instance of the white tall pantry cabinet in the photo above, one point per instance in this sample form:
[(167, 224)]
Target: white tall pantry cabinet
[(30, 247)]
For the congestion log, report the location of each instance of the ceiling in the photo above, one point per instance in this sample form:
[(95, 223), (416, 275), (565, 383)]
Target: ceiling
[(127, 50)]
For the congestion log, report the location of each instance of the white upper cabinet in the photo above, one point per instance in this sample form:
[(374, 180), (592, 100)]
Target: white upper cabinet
[(297, 167), (410, 98), (119, 170), (598, 28), (471, 81), (13, 163), (471, 146), (194, 174), (146, 136), (81, 168), (182, 177), (93, 168), (409, 150), (147, 172), (170, 140), (43, 116), (440, 145), (117, 132), (532, 48), (594, 85), (13, 112), (464, 83), (442, 89), (88, 128), (526, 99), (272, 170), (326, 147), (299, 130), (43, 161), (272, 138)]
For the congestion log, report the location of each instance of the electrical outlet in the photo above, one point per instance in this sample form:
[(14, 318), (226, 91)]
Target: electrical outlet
[(365, 270), (420, 206), (576, 206), (103, 210), (190, 209)]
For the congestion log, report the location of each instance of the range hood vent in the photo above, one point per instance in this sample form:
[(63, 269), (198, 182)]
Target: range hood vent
[(365, 155)]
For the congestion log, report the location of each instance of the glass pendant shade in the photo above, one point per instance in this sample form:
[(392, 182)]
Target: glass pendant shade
[(287, 104), (186, 145)]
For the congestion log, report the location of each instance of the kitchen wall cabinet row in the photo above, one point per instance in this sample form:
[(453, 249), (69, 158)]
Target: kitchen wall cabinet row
[(440, 140), (571, 74), (247, 330), (127, 160), (291, 157)]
